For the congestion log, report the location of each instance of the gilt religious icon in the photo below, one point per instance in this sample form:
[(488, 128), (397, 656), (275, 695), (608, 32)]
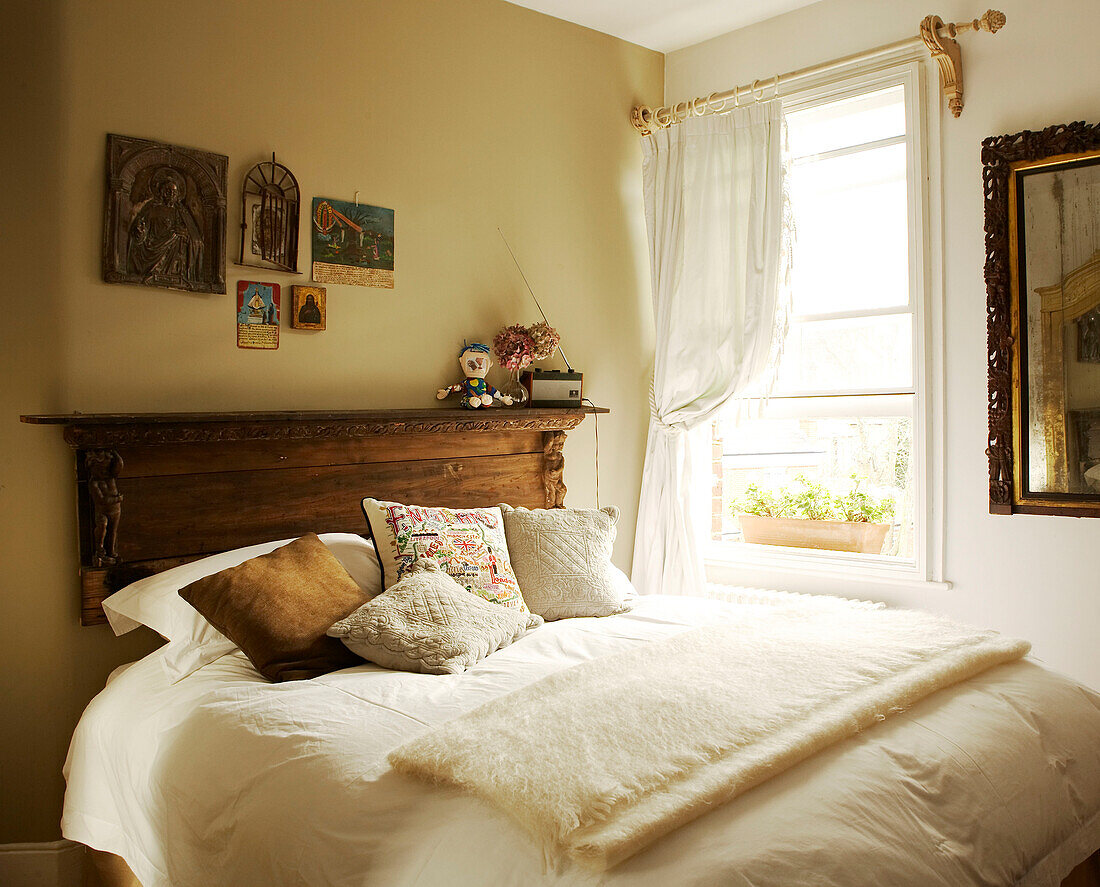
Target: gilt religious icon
[(308, 310), (164, 220), (257, 315)]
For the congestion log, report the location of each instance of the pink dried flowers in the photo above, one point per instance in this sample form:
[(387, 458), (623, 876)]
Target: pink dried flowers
[(516, 346)]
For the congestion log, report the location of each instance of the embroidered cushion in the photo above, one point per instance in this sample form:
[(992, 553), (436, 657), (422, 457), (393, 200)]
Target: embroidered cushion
[(562, 559), (468, 543), (429, 623)]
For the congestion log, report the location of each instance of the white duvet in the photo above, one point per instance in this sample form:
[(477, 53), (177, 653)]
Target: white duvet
[(225, 779)]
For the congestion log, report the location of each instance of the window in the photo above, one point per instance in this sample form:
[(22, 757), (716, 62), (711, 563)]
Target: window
[(849, 410)]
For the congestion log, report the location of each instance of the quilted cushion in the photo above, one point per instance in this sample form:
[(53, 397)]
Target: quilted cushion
[(429, 623), (562, 559), (468, 543)]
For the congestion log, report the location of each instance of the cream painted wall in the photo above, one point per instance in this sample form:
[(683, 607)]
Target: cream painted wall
[(1032, 576), (461, 115)]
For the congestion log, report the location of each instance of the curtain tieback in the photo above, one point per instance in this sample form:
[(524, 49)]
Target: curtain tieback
[(655, 418), (671, 428)]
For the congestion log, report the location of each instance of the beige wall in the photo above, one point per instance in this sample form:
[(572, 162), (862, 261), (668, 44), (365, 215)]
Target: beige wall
[(462, 115), (1033, 576)]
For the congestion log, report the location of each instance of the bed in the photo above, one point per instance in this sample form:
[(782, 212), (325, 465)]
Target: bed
[(224, 778)]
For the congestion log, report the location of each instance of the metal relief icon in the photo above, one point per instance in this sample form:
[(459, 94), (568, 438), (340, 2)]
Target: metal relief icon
[(270, 202), (164, 217)]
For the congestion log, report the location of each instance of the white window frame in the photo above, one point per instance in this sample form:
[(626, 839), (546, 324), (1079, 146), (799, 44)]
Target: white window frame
[(832, 572)]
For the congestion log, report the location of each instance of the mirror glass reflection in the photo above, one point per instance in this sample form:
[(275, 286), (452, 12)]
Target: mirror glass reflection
[(1058, 236)]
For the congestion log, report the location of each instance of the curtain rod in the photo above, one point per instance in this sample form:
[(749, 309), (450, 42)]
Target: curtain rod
[(945, 51)]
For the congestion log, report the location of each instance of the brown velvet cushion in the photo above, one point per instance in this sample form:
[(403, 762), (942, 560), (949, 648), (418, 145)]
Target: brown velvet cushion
[(277, 608)]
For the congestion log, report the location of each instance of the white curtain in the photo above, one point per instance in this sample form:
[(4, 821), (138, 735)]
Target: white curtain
[(715, 215)]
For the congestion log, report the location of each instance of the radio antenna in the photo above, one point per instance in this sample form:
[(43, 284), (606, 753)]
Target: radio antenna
[(532, 292)]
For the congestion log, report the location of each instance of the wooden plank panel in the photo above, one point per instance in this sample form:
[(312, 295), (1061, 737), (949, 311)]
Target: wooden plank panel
[(248, 455), (183, 514), (98, 583), (93, 589)]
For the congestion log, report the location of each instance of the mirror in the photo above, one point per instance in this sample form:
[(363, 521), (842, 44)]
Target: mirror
[(1043, 285)]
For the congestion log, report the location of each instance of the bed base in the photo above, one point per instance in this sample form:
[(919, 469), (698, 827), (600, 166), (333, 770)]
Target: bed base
[(1087, 874), (108, 870)]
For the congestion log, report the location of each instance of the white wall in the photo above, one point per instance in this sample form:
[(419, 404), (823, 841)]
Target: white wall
[(1031, 576)]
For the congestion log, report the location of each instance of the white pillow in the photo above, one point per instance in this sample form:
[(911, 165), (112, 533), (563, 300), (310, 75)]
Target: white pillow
[(193, 642), (621, 581)]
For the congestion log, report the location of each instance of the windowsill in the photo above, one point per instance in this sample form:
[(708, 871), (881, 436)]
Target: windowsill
[(798, 569)]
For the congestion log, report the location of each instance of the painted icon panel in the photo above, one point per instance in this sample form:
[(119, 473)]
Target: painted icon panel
[(257, 315), (353, 243), (308, 308)]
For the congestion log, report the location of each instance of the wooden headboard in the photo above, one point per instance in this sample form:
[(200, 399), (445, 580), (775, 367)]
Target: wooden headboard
[(159, 489)]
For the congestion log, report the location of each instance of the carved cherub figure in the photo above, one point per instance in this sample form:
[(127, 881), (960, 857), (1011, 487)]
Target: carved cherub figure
[(476, 392), (103, 469)]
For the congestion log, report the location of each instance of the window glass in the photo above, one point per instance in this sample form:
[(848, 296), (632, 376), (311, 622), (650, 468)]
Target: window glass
[(859, 353), (852, 238), (854, 121), (834, 442), (872, 455)]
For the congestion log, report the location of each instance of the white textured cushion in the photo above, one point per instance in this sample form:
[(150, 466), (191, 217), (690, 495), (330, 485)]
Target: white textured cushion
[(154, 601), (429, 623), (562, 559)]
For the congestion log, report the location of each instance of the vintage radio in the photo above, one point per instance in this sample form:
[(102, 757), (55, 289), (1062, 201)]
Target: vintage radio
[(553, 388)]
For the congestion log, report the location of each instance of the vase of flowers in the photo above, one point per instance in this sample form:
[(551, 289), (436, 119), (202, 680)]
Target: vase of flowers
[(514, 350), (516, 347)]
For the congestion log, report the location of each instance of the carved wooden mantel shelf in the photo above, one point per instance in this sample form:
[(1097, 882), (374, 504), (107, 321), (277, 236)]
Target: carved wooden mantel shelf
[(106, 429), (158, 489)]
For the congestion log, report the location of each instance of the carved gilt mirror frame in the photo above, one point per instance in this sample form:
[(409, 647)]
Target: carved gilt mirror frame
[(1042, 272)]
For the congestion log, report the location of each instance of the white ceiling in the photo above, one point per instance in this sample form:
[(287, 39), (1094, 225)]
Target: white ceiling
[(664, 25)]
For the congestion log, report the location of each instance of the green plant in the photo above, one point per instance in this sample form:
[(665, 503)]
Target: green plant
[(812, 501), (858, 506), (764, 503)]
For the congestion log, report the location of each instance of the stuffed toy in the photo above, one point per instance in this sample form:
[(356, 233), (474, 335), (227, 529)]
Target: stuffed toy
[(476, 392)]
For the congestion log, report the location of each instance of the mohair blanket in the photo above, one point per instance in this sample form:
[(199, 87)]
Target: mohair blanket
[(599, 760)]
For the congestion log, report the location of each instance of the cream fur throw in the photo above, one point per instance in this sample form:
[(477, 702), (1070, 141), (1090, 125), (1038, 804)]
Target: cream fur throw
[(598, 760)]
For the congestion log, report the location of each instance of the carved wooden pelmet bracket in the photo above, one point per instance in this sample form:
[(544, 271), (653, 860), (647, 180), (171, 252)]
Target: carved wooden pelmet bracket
[(939, 37)]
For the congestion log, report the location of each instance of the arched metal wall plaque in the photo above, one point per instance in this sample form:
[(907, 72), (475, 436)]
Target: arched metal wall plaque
[(164, 218), (1042, 272), (269, 217)]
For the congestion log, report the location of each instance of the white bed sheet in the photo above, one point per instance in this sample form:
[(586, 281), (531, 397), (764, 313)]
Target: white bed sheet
[(225, 779)]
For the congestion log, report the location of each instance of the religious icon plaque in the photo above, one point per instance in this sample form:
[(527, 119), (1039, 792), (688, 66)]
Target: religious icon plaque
[(308, 309), (257, 315), (164, 218), (352, 243)]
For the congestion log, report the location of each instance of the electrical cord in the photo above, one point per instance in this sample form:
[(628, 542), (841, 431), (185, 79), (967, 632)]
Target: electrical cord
[(596, 432)]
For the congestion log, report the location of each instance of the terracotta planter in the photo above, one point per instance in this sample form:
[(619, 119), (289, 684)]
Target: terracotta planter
[(835, 535)]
